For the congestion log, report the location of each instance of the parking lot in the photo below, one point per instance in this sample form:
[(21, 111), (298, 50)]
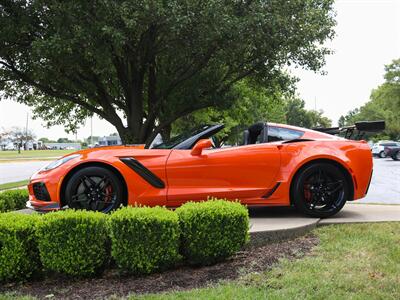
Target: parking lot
[(385, 185)]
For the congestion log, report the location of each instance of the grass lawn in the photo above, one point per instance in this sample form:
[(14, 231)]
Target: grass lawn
[(11, 185), (360, 261), (33, 154), (352, 261)]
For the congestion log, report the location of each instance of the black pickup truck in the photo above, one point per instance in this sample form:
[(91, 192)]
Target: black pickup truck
[(393, 152)]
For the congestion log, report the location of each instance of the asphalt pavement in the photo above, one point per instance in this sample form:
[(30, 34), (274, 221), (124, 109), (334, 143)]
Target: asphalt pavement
[(17, 171), (385, 184)]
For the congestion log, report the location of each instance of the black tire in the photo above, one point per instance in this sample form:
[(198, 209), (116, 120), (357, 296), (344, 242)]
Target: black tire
[(382, 154), (396, 156), (320, 190), (94, 188)]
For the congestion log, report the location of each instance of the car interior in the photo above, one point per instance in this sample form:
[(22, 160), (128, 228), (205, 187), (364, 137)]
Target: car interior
[(257, 133)]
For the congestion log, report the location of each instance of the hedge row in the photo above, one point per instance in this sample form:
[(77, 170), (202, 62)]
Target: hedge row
[(140, 240), (13, 200)]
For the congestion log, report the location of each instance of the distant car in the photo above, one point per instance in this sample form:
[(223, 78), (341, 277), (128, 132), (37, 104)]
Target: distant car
[(393, 151), (379, 148)]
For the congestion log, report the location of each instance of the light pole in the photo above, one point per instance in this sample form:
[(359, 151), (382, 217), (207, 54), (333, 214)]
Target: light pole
[(26, 131), (91, 131)]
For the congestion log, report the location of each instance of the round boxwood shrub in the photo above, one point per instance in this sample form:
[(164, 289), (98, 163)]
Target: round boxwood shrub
[(212, 230), (73, 242), (19, 257), (144, 239), (13, 200)]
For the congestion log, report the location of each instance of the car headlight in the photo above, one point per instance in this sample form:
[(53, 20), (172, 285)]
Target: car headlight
[(59, 162)]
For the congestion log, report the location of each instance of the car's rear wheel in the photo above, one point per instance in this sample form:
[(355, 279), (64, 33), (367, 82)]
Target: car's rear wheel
[(320, 190), (94, 188), (382, 154)]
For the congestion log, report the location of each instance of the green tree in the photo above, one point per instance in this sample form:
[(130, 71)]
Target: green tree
[(253, 103), (64, 140), (46, 140), (150, 62), (298, 115), (384, 104)]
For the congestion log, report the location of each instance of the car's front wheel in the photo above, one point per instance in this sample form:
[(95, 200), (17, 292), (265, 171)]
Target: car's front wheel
[(94, 188), (320, 190), (382, 154)]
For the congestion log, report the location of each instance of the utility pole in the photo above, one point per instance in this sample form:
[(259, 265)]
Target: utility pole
[(91, 130), (315, 103)]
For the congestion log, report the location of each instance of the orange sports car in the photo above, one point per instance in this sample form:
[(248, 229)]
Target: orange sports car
[(274, 165)]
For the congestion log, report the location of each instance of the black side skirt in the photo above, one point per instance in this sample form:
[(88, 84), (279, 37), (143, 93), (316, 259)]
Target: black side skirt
[(269, 194), (143, 172)]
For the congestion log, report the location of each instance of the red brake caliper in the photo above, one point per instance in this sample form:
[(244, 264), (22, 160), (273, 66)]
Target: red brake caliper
[(307, 192), (108, 192)]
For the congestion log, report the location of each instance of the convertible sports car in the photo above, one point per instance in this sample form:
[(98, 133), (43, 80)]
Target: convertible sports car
[(274, 165)]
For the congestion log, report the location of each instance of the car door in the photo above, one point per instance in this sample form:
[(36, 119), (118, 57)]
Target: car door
[(244, 172)]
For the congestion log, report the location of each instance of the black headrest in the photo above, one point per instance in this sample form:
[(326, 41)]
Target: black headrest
[(255, 130)]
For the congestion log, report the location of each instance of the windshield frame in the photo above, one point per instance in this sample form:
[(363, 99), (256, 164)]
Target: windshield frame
[(187, 140)]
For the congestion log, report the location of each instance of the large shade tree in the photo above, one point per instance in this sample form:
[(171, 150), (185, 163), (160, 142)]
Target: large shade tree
[(143, 64)]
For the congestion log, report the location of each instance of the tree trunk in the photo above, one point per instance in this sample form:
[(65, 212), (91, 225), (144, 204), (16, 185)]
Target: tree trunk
[(166, 133), (128, 137)]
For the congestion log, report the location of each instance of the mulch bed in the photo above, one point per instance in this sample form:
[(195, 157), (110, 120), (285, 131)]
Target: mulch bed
[(111, 283)]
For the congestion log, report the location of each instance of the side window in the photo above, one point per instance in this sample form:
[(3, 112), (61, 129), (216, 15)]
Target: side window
[(273, 134), (283, 134), (287, 134)]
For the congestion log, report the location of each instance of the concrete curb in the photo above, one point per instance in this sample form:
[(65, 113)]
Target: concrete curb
[(260, 235), (262, 238)]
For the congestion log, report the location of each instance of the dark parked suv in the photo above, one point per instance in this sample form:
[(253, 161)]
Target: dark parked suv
[(393, 151)]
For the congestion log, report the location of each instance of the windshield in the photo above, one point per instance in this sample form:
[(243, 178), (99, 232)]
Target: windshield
[(176, 140)]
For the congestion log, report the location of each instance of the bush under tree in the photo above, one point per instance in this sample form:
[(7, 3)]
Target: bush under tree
[(73, 242), (212, 230), (144, 239), (19, 258), (13, 200)]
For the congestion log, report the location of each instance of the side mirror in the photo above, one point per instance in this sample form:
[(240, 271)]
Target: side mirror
[(200, 145)]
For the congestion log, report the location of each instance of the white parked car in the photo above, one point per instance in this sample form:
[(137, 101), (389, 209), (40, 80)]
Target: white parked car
[(378, 149)]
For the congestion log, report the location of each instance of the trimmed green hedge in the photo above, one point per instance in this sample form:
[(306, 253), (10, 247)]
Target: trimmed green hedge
[(13, 200), (144, 239), (73, 242), (19, 257), (212, 230)]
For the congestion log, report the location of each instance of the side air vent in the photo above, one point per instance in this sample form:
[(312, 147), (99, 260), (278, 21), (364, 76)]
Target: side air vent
[(143, 172)]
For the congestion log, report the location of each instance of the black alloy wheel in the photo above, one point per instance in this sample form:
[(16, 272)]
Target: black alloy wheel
[(320, 190), (94, 188)]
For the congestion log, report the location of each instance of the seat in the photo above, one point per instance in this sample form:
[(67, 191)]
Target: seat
[(257, 132)]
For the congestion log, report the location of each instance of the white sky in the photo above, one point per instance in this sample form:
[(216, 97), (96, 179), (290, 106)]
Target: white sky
[(367, 38)]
